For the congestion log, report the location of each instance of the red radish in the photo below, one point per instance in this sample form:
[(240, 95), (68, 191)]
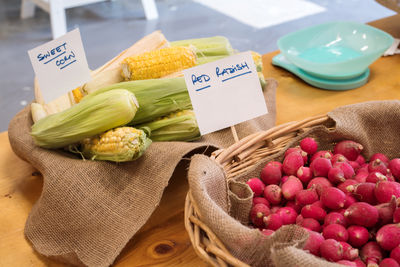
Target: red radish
[(309, 145), (396, 216), (347, 263), (359, 262), (362, 213), (343, 186), (349, 253), (333, 198), (273, 221), (358, 235), (319, 183), (271, 173), (348, 171), (262, 200), (360, 159), (267, 232), (273, 194), (381, 157), (374, 177), (350, 149), (292, 163), (284, 179), (338, 158), (331, 250), (299, 219), (288, 215), (354, 165), (322, 154), (371, 253), (336, 175), (256, 185), (311, 224), (394, 167), (364, 192), (313, 242), (388, 237), (388, 262), (299, 150), (274, 209), (349, 201), (390, 177), (386, 211), (311, 211), (306, 196), (318, 204), (361, 176), (377, 166), (257, 214), (335, 231), (291, 187), (385, 190), (320, 167), (395, 254), (304, 174), (294, 205), (334, 218)]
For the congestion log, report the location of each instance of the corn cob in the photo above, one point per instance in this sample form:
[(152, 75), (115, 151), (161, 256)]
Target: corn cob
[(177, 126), (119, 145), (158, 63), (90, 117), (156, 97), (209, 46)]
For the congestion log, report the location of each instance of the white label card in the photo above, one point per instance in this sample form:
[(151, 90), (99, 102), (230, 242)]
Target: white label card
[(225, 92), (60, 65)]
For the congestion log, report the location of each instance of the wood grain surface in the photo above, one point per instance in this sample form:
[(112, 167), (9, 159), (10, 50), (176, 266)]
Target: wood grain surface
[(163, 240)]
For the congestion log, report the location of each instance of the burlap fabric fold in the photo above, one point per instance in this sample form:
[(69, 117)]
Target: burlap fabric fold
[(89, 210), (224, 205)]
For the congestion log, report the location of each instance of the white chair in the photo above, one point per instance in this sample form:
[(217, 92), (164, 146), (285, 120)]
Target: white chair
[(56, 10)]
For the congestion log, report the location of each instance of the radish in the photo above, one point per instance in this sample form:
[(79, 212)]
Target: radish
[(320, 167), (294, 205), (313, 243), (336, 175), (384, 191), (338, 158), (335, 231), (331, 250), (257, 214), (359, 262), (374, 177), (322, 154), (386, 211), (350, 149), (311, 211), (267, 232), (262, 200), (364, 192), (292, 163), (381, 157), (334, 218), (273, 194), (360, 160), (298, 150), (309, 145), (343, 186), (349, 201), (306, 196), (371, 253), (354, 165), (348, 171), (394, 167), (319, 183), (388, 237), (273, 221), (395, 254), (358, 235), (347, 263), (271, 173), (388, 262), (288, 215), (256, 185), (361, 176), (310, 223), (333, 198), (363, 214), (377, 166), (284, 179), (291, 187), (396, 215), (349, 253), (274, 209), (304, 174)]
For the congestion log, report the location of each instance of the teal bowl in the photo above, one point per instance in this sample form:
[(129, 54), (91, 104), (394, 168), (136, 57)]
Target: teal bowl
[(335, 50)]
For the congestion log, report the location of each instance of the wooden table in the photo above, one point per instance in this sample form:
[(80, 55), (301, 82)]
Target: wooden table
[(163, 240)]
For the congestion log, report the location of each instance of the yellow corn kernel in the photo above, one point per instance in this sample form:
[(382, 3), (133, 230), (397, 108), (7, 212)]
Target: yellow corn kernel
[(158, 63), (77, 93)]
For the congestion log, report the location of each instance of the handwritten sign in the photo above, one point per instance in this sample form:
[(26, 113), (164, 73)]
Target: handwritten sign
[(60, 65), (225, 92)]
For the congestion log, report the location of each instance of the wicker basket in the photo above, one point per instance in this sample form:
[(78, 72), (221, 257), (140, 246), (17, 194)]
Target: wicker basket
[(235, 160)]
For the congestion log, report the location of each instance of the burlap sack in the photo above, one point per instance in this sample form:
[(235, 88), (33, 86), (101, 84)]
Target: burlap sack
[(89, 210), (224, 205)]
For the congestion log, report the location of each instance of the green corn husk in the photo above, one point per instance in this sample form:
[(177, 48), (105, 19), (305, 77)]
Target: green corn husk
[(89, 117), (119, 145), (177, 126), (209, 46), (156, 97)]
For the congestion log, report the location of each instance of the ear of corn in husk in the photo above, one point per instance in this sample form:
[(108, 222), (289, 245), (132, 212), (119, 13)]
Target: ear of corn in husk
[(177, 126), (156, 97), (209, 46), (158, 63), (120, 144), (38, 112), (90, 117)]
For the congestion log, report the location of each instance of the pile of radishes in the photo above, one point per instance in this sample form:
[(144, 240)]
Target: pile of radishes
[(348, 205)]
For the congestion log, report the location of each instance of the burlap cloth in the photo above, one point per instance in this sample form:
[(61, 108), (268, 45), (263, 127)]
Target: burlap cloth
[(89, 210), (224, 205)]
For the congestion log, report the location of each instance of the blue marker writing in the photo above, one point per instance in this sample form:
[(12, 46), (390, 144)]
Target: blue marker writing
[(68, 60), (52, 52), (232, 69), (200, 79)]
